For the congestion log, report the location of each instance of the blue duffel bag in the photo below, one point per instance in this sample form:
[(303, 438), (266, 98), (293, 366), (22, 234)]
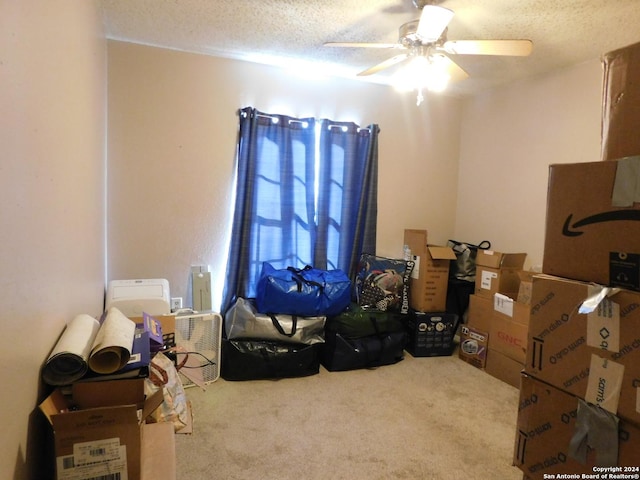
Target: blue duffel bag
[(306, 291)]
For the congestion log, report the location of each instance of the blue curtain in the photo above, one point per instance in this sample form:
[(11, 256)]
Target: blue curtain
[(347, 195), (306, 194)]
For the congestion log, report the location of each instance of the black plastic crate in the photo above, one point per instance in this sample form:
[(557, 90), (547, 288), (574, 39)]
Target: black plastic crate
[(431, 334)]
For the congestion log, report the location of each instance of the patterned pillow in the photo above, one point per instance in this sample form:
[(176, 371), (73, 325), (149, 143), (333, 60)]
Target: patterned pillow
[(383, 283)]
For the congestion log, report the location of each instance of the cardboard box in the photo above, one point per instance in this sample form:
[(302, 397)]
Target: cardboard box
[(493, 259), (503, 368), (526, 283), (430, 276), (621, 103), (508, 333), (587, 237), (498, 272), (97, 431), (158, 451), (490, 281), (473, 346), (431, 334), (480, 312), (546, 424), (594, 356)]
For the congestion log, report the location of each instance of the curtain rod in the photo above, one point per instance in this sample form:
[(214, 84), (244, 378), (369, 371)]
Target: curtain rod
[(305, 123)]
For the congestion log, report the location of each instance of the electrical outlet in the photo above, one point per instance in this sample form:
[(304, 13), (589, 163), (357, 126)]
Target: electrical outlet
[(176, 303)]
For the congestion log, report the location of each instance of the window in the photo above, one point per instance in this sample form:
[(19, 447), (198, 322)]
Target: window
[(306, 194)]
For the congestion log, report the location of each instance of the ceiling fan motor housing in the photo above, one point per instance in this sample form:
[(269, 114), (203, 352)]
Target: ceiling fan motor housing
[(419, 4), (408, 37)]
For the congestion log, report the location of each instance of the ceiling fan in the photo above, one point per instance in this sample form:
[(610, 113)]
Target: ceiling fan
[(425, 45)]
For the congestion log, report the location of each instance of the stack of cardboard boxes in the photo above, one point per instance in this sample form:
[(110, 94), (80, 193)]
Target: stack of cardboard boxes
[(580, 392), (431, 329), (104, 429), (495, 336)]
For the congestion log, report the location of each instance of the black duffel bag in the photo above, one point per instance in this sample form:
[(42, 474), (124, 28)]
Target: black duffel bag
[(244, 359), (340, 353), (357, 322)]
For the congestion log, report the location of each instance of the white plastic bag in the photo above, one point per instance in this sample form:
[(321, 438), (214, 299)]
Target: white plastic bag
[(174, 408)]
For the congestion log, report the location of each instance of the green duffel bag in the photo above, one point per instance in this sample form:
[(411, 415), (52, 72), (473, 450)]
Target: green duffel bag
[(356, 322)]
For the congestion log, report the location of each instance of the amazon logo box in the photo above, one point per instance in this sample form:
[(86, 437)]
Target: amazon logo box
[(585, 340), (593, 222)]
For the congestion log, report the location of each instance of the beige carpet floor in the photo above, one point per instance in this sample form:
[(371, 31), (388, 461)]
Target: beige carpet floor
[(422, 418)]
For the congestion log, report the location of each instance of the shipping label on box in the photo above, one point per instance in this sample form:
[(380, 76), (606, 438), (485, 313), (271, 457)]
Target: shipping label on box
[(105, 458), (592, 230), (562, 341)]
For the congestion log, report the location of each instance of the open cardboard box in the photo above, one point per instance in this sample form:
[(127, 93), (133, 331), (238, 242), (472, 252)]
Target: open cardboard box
[(101, 430), (430, 275)]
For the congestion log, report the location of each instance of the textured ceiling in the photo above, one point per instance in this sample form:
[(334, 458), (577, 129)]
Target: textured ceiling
[(282, 32)]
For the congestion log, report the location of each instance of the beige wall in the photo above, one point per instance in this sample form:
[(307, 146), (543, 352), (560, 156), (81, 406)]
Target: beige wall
[(52, 121), (172, 133), (172, 136), (509, 137)]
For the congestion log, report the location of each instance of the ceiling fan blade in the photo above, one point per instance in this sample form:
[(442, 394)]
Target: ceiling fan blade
[(433, 21), (386, 64), (455, 71), (519, 48), (363, 45)]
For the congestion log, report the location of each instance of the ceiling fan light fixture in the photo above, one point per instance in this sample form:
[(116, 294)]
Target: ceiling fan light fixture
[(422, 73), (433, 21), (437, 77)]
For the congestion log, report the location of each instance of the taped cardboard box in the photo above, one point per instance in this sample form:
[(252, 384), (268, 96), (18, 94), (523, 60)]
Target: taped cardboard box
[(98, 430), (545, 426), (592, 228), (430, 275), (594, 356), (621, 103)]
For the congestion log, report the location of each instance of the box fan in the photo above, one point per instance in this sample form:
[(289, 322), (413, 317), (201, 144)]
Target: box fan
[(199, 335)]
